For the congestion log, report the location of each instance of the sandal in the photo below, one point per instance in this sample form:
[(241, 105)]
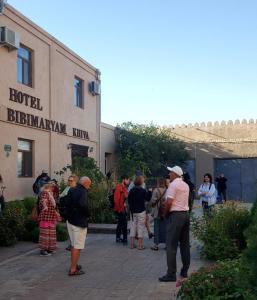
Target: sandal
[(77, 272), (180, 281), (143, 248)]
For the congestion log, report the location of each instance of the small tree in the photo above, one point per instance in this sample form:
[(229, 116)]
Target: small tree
[(149, 148), (98, 202)]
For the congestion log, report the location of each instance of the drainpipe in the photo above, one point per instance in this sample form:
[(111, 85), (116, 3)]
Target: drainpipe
[(98, 117)]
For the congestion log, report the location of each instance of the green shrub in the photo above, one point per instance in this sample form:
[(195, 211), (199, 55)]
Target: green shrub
[(61, 233), (16, 205), (249, 257), (29, 203), (12, 223), (215, 282), (7, 237), (35, 235), (222, 232), (98, 201), (29, 227), (105, 216)]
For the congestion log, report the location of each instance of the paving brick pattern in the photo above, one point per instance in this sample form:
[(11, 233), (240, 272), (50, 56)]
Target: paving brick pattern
[(113, 271)]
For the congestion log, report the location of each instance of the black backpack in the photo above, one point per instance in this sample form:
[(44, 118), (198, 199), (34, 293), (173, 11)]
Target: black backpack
[(35, 187), (62, 206)]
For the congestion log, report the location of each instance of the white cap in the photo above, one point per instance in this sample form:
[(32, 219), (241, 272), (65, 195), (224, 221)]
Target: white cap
[(176, 169), (44, 172)]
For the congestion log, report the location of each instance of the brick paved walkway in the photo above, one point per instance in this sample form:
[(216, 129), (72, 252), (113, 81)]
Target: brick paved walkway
[(112, 272)]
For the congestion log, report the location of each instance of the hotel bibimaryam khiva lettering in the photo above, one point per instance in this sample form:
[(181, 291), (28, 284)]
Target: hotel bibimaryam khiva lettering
[(16, 116)]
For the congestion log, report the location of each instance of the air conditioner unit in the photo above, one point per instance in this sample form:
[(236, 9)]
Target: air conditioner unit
[(9, 38), (94, 88), (2, 5)]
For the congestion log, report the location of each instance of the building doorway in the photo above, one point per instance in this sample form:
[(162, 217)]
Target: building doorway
[(78, 150)]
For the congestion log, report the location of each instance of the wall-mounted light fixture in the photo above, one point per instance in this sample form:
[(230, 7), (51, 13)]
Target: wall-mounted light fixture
[(69, 146), (7, 149), (91, 149)]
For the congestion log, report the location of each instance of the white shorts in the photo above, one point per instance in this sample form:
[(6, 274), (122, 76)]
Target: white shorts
[(77, 236), (138, 225)]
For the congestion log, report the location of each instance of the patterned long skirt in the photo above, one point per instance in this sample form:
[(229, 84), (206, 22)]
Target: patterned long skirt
[(47, 238)]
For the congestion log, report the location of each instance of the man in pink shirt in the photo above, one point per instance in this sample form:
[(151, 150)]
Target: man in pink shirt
[(177, 212)]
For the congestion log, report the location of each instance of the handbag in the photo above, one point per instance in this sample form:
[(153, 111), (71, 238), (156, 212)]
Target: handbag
[(162, 210)]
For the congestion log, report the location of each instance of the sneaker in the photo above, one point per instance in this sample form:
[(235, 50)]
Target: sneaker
[(167, 278), (44, 253), (118, 240), (155, 248)]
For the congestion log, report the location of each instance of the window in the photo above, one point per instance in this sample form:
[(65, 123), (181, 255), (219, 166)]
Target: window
[(78, 92), (24, 158), (24, 66)]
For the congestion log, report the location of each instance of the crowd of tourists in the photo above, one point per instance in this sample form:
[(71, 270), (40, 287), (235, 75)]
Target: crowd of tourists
[(167, 203)]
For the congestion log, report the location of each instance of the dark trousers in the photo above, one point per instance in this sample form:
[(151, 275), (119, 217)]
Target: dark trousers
[(223, 195), (178, 232), (159, 231), (122, 226)]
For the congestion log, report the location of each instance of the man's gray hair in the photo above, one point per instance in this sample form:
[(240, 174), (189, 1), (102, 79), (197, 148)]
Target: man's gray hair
[(84, 178)]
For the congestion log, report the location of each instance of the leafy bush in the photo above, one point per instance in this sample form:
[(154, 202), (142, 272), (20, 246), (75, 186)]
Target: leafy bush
[(35, 235), (29, 227), (222, 232), (29, 203), (7, 237), (16, 205), (249, 257), (12, 224), (61, 233), (215, 282)]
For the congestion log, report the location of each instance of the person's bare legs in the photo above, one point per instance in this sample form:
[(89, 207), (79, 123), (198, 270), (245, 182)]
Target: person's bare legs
[(140, 243), (75, 254)]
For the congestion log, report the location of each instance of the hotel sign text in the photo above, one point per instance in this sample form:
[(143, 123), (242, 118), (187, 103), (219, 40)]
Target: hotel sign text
[(19, 117)]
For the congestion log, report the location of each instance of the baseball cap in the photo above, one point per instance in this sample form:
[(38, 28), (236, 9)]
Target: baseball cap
[(44, 172), (176, 169)]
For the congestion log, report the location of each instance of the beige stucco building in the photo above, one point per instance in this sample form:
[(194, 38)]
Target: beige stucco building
[(49, 105), (107, 146)]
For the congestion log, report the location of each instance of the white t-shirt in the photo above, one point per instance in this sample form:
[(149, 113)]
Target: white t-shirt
[(210, 189)]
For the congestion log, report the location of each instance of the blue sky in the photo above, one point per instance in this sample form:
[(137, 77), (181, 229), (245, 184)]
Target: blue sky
[(169, 62)]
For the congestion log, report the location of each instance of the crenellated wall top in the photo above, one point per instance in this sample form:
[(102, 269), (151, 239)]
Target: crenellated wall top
[(222, 123)]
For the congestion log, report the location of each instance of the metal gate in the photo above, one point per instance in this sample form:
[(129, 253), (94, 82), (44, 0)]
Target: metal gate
[(242, 177)]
